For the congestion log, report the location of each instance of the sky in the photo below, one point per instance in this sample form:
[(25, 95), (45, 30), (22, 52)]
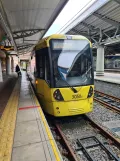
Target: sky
[(68, 12)]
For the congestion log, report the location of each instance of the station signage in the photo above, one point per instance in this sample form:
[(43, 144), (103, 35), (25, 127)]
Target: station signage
[(7, 48), (77, 45)]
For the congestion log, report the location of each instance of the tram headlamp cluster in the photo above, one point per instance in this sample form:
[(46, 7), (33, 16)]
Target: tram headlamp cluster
[(90, 93), (57, 95)]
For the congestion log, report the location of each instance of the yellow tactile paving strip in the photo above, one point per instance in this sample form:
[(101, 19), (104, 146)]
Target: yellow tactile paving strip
[(7, 125), (57, 156)]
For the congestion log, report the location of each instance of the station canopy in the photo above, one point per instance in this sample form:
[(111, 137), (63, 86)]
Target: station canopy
[(26, 21), (100, 23)]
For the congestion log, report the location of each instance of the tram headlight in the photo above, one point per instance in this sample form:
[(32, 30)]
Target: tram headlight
[(57, 95), (36, 82), (90, 93)]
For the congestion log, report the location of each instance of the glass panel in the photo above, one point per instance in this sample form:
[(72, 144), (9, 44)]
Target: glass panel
[(47, 69), (40, 65), (72, 62)]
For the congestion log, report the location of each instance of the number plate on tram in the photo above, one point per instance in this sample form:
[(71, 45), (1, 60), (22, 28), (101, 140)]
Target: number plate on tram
[(76, 96)]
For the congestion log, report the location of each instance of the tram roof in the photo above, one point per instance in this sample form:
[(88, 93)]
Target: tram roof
[(62, 36), (27, 21), (44, 42)]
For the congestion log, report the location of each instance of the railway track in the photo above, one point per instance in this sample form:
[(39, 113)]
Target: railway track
[(82, 145), (67, 150), (109, 101)]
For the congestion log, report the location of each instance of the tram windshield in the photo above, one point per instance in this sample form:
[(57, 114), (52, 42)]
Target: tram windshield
[(72, 62)]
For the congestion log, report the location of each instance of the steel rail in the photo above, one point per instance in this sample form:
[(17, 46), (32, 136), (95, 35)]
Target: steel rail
[(70, 150), (98, 143), (104, 94), (108, 105), (71, 154), (103, 131), (106, 133)]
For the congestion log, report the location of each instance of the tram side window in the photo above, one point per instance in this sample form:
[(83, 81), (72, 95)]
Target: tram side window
[(37, 65), (47, 69), (40, 65)]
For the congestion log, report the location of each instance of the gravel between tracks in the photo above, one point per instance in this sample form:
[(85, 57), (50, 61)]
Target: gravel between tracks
[(108, 88), (102, 114), (80, 129), (77, 128)]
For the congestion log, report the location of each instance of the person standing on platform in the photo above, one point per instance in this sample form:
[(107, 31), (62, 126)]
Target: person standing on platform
[(18, 70)]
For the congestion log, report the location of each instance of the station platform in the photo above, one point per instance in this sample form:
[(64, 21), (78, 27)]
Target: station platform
[(6, 79), (112, 70), (24, 131), (108, 77), (6, 88)]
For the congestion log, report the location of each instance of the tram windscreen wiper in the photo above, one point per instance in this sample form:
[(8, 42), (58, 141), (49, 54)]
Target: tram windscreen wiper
[(72, 88), (87, 70)]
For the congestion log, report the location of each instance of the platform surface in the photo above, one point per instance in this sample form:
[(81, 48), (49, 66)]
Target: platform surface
[(109, 77), (6, 88), (24, 131), (33, 140), (6, 79)]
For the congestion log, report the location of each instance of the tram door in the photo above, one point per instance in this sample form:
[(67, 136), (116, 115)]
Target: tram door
[(43, 74)]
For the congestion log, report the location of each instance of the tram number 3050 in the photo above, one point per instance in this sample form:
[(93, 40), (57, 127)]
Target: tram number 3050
[(76, 96)]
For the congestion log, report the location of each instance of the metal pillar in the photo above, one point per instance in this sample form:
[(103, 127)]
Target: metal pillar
[(1, 76), (12, 64), (8, 65), (100, 61)]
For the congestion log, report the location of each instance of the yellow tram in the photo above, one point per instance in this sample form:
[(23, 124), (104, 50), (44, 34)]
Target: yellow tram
[(64, 75)]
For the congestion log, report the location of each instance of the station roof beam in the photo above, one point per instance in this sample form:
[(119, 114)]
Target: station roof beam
[(117, 1), (106, 19), (27, 21), (25, 33), (22, 47), (100, 23)]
